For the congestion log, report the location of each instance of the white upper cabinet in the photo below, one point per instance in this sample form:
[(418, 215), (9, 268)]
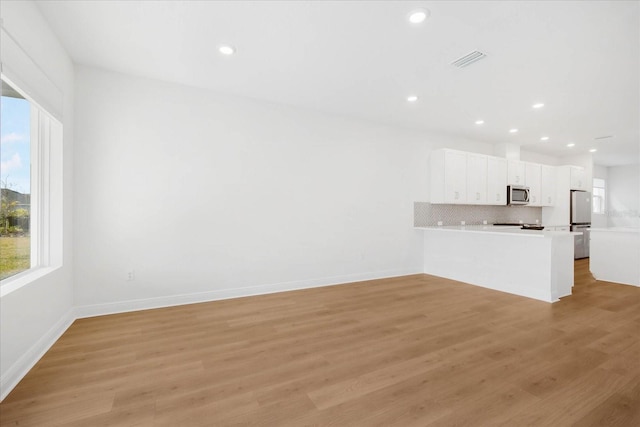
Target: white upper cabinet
[(496, 181), (548, 185), (532, 180), (515, 172), (578, 178), (448, 177), (476, 178), (459, 177)]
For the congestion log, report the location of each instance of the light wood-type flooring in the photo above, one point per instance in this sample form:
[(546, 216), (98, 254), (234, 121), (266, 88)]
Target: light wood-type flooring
[(409, 351)]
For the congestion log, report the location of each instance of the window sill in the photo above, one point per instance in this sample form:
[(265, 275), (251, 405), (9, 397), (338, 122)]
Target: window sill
[(14, 283)]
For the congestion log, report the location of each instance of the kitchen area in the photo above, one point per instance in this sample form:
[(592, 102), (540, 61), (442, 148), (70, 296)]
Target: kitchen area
[(515, 226)]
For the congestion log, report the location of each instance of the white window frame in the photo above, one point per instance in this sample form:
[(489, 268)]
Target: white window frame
[(46, 197), (603, 199)]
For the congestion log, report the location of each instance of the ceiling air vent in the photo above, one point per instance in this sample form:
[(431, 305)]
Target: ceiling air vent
[(469, 59)]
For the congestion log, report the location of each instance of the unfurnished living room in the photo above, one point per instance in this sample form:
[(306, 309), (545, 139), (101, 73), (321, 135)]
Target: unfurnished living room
[(310, 213)]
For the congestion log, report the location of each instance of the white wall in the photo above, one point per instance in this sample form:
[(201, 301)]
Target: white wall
[(623, 196), (33, 316), (600, 220), (210, 196), (543, 159)]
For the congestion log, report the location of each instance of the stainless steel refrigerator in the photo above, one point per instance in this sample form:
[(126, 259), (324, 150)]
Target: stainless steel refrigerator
[(581, 222)]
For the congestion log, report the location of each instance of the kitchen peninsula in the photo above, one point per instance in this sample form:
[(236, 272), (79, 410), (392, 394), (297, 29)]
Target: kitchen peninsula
[(615, 255), (532, 263)]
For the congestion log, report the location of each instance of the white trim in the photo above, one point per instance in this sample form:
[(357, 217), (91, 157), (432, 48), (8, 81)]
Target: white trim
[(173, 300), (523, 291), (13, 283), (18, 66), (22, 366), (46, 196), (36, 230)]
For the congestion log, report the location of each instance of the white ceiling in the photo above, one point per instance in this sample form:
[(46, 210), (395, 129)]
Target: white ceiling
[(363, 58)]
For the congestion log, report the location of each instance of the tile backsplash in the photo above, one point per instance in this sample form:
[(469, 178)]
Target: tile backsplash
[(426, 214)]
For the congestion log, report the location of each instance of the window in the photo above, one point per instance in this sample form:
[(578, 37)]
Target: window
[(15, 182), (598, 196), (31, 186)]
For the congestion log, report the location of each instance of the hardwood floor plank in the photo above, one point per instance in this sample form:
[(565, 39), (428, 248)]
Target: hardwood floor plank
[(60, 412), (572, 402), (210, 412), (620, 409), (330, 395), (408, 351)]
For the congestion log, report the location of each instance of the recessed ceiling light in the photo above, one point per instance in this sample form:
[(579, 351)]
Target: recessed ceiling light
[(538, 105), (479, 122), (226, 50), (412, 98), (593, 150), (514, 130), (544, 138), (571, 145), (418, 16)]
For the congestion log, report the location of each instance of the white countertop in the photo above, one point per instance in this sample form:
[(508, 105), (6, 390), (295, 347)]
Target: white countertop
[(618, 229), (499, 230)]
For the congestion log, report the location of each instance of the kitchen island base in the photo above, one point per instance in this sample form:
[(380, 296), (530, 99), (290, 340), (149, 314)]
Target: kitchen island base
[(615, 255), (535, 265)]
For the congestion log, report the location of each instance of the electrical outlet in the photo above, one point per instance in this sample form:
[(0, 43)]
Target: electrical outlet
[(439, 223), (131, 276), (484, 222), (462, 223)]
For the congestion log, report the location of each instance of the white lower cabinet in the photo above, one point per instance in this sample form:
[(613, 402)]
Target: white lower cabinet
[(557, 227)]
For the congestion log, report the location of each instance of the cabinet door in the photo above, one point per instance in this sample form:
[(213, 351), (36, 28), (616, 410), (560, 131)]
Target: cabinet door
[(548, 185), (515, 172), (578, 181), (476, 179), (455, 177), (532, 180), (496, 181)]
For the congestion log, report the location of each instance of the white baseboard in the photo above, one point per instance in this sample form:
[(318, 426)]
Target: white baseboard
[(22, 366), (173, 300)]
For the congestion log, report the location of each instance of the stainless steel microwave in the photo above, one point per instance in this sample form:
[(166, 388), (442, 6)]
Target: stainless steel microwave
[(517, 195)]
